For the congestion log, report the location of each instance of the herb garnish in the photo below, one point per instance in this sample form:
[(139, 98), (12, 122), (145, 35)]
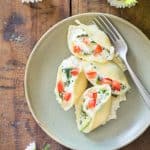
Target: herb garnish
[(98, 79), (68, 75), (61, 95), (67, 72), (84, 53), (82, 35), (122, 86), (114, 95), (67, 83)]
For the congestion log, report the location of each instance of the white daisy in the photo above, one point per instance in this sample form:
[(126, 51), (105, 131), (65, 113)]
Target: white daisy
[(31, 146), (122, 3), (32, 1)]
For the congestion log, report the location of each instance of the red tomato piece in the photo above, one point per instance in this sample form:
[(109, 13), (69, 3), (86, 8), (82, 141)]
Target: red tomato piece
[(76, 49), (91, 104), (60, 86), (91, 74), (66, 96), (106, 81), (94, 95), (74, 72), (116, 85), (98, 50)]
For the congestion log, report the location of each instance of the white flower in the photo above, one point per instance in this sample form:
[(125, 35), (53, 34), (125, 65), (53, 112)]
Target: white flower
[(32, 1), (122, 3), (31, 146)]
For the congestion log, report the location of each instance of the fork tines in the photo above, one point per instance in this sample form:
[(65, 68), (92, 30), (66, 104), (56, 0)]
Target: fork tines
[(103, 23)]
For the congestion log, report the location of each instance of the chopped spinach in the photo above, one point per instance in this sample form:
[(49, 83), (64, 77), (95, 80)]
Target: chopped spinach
[(60, 95), (106, 50), (68, 75), (122, 86), (101, 91), (114, 95), (82, 35), (93, 42), (83, 114), (67, 83), (84, 120), (67, 72), (98, 79), (84, 53), (107, 93), (94, 67)]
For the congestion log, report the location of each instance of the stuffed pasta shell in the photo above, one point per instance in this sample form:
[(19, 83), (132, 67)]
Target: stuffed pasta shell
[(107, 73), (70, 83), (93, 108), (89, 43)]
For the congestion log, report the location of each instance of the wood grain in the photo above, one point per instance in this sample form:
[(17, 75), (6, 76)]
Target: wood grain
[(138, 15), (21, 25)]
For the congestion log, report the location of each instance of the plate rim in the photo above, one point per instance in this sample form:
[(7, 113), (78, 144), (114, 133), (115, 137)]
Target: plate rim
[(43, 126)]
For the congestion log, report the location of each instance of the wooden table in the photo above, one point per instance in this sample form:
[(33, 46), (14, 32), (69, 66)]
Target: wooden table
[(21, 25)]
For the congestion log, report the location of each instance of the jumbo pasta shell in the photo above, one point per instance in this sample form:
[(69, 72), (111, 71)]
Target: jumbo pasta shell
[(88, 118), (71, 82), (89, 43), (107, 73)]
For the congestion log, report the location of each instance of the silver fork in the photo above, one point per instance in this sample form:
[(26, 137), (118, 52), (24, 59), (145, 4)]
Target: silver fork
[(120, 45)]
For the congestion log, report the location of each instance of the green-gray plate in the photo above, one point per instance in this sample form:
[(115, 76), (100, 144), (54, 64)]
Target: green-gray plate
[(40, 76)]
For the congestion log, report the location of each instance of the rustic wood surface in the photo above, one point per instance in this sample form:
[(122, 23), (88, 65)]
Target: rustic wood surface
[(21, 25)]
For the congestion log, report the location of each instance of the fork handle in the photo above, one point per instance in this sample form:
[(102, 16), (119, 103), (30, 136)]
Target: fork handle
[(144, 93)]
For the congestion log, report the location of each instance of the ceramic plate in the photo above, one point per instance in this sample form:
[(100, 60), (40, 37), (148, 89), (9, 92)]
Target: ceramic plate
[(40, 77)]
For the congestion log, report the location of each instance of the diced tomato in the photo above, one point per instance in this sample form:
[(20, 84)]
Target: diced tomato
[(86, 40), (106, 81), (91, 74), (97, 50), (60, 86), (116, 85), (66, 96), (74, 72), (91, 103), (76, 49), (94, 95)]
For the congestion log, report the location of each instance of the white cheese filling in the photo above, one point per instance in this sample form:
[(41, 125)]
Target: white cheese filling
[(70, 63), (100, 100)]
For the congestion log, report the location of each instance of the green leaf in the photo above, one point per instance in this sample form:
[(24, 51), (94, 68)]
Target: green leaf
[(67, 72)]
